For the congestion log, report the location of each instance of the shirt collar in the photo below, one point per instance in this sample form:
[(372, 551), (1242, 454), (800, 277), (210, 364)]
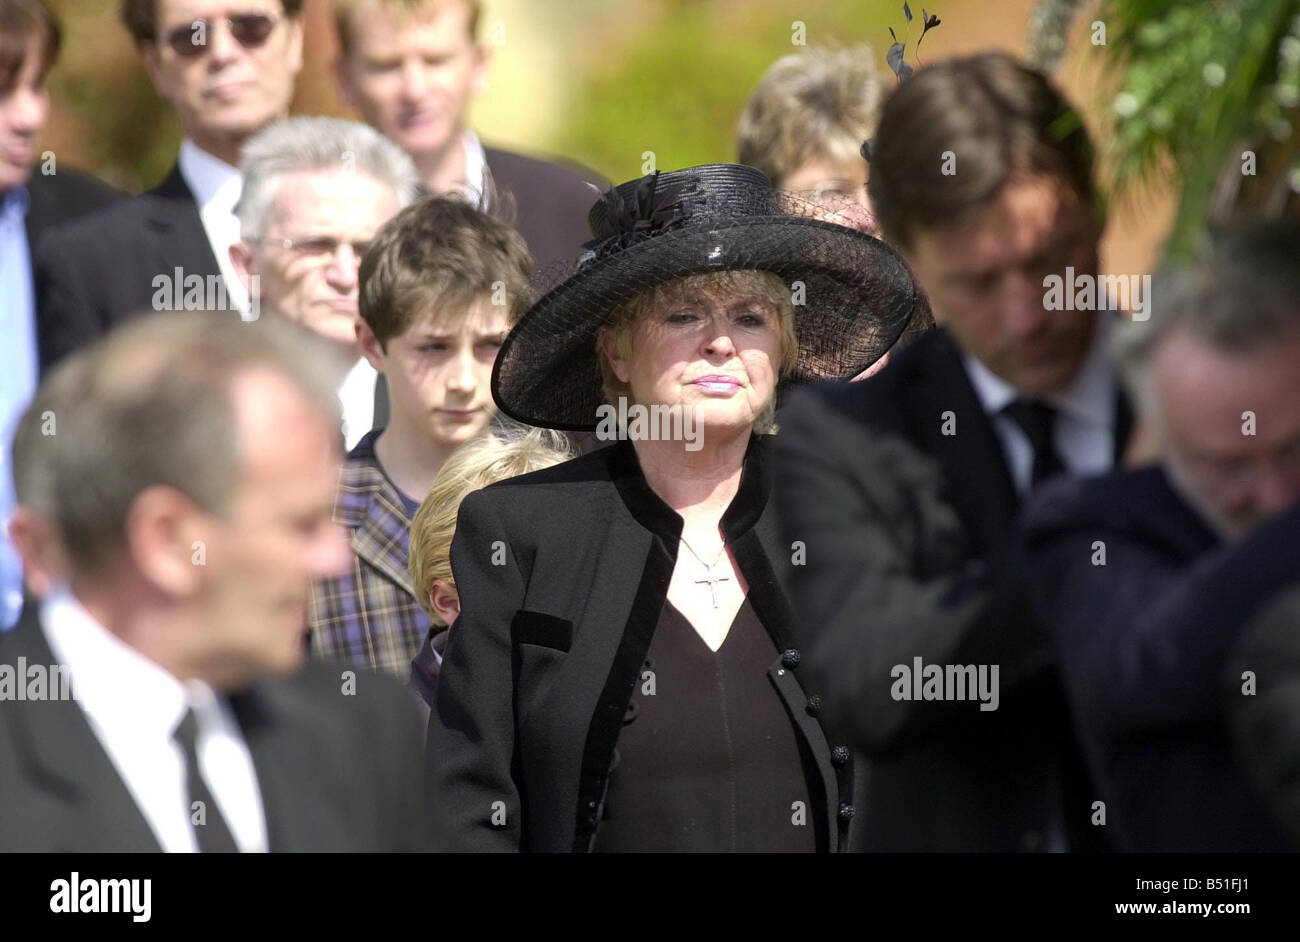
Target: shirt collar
[(117, 686), (1088, 396), (209, 178), (475, 165)]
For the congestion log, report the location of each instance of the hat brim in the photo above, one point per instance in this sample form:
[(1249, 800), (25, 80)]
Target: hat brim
[(857, 296)]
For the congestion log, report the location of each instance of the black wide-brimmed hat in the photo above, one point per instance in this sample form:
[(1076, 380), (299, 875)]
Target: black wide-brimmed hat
[(856, 296)]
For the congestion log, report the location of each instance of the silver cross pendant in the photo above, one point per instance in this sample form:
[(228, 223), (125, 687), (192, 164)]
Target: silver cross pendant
[(712, 581)]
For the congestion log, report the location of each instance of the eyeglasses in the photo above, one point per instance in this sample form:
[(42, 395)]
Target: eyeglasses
[(250, 30), (320, 249)]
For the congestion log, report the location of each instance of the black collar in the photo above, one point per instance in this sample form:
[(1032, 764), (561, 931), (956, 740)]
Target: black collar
[(656, 516)]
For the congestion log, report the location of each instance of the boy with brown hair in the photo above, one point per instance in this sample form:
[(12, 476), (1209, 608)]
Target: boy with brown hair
[(440, 286)]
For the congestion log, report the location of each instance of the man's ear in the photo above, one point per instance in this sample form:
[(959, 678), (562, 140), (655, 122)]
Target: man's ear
[(241, 257), (166, 540), (37, 540), (369, 344), (445, 600)]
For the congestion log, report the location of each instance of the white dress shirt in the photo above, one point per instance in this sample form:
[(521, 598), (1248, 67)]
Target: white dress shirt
[(1084, 430), (134, 706), (357, 397), (216, 187)]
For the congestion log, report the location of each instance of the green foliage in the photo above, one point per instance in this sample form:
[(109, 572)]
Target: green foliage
[(678, 88), (1195, 82)]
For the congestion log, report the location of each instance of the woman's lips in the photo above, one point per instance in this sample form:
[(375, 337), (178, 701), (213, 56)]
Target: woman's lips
[(717, 383)]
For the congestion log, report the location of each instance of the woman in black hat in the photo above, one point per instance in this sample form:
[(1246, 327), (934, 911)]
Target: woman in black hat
[(624, 674)]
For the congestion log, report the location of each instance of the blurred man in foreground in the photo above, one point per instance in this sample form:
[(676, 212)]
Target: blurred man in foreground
[(193, 498)]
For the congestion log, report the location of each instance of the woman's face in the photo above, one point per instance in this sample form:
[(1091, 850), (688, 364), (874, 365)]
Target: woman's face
[(714, 352)]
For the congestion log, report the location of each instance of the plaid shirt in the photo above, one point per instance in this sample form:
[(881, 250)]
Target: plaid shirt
[(369, 617)]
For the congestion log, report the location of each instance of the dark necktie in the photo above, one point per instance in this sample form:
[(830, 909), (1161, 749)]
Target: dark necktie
[(213, 835), (1037, 419)]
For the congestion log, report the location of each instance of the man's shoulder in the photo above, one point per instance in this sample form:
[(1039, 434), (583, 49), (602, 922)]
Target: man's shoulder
[(1139, 503), (99, 230), (880, 400), (70, 193), (510, 168), (336, 695), (120, 216), (360, 479)]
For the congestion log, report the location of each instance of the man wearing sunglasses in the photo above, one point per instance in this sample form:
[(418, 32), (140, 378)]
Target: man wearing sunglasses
[(227, 67)]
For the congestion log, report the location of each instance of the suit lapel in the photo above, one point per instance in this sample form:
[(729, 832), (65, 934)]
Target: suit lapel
[(175, 229), (68, 759), (974, 466)]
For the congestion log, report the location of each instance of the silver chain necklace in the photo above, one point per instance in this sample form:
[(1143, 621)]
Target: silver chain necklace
[(709, 578)]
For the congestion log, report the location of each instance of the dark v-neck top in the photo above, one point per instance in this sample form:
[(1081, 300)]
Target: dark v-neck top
[(708, 759)]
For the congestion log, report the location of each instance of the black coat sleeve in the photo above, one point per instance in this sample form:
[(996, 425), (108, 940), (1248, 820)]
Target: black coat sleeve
[(888, 574), (471, 745), (1265, 723)]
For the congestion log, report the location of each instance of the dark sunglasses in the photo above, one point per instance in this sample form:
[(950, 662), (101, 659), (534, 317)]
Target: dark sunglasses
[(249, 29)]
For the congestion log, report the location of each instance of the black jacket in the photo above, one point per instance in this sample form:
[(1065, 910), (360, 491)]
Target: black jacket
[(335, 772), (1265, 723), (1143, 641), (100, 269), (61, 197), (551, 203), (562, 575), (909, 541)]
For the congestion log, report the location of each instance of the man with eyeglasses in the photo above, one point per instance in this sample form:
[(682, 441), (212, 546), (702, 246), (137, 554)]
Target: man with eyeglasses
[(228, 68), (316, 190), (1149, 577)]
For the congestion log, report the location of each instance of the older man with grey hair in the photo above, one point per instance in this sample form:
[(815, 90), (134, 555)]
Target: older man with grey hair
[(316, 190), (1147, 576)]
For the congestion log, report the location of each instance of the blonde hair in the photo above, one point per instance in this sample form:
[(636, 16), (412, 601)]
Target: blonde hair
[(471, 467), (407, 10), (623, 319), (821, 102)]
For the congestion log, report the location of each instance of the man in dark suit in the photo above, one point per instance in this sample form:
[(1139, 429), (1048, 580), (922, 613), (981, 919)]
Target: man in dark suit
[(899, 493), (157, 698), (1148, 577), (228, 69), (412, 70), (31, 201)]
